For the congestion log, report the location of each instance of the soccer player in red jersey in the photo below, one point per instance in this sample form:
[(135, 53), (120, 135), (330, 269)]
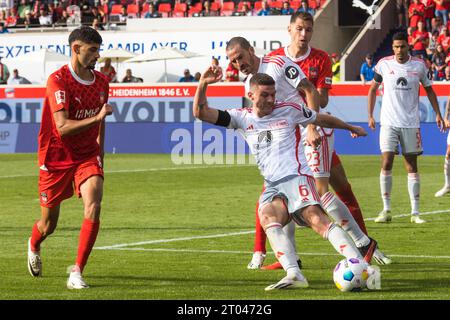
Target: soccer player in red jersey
[(70, 149), (316, 65)]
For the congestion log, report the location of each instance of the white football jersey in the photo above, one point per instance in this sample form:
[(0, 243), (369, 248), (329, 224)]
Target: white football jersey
[(401, 83), (287, 75), (275, 139)]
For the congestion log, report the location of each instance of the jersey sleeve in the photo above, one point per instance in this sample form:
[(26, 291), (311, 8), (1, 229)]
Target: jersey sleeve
[(237, 118), (325, 75), (303, 116), (287, 69), (57, 94), (426, 82), (378, 76)]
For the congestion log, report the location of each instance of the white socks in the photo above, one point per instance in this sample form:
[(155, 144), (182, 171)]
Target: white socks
[(447, 172), (414, 192), (342, 242), (342, 216), (283, 248), (386, 188), (289, 230)]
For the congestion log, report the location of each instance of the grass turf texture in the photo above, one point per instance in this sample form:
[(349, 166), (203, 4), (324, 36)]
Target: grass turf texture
[(155, 202)]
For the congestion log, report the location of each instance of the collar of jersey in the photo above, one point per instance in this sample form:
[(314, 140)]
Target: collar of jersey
[(301, 58), (85, 82)]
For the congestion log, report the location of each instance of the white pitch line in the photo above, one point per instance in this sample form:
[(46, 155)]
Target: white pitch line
[(145, 170), (122, 245), (270, 253)]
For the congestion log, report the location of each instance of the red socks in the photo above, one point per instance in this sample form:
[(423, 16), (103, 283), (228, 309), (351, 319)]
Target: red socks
[(260, 235), (88, 235), (348, 198), (36, 238)]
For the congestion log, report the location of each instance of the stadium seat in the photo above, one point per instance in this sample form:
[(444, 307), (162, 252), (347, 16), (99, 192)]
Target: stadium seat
[(276, 5), (196, 8), (133, 11), (116, 9), (215, 7), (257, 5), (313, 4), (295, 4), (227, 8), (179, 10), (165, 9)]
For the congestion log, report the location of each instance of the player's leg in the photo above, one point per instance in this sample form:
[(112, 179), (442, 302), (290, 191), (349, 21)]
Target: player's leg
[(259, 249), (54, 187), (41, 230), (343, 189), (411, 143), (273, 216), (446, 188), (89, 186), (389, 140)]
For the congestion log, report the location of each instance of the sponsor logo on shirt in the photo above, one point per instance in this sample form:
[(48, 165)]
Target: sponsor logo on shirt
[(291, 72), (328, 80), (86, 113), (279, 124), (402, 84)]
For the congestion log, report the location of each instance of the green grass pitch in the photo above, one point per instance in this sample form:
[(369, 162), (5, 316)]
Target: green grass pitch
[(185, 232)]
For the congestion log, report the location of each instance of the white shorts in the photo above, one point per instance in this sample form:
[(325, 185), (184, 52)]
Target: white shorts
[(297, 192), (319, 160), (409, 139)]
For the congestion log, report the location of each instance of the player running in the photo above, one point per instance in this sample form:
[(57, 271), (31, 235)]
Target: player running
[(402, 75), (71, 139), (320, 153)]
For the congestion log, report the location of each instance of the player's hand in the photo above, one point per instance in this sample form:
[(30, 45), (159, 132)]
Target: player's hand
[(442, 125), (211, 75), (357, 131), (371, 123), (447, 124), (106, 110), (313, 137)]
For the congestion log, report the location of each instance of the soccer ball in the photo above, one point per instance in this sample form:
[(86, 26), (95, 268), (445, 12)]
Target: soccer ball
[(350, 275)]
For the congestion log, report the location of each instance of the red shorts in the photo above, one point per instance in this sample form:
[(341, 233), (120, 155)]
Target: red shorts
[(58, 185), (335, 161)]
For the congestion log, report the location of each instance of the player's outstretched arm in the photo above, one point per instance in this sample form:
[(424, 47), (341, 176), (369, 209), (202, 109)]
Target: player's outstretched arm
[(68, 127), (327, 121), (372, 97), (200, 109), (434, 103)]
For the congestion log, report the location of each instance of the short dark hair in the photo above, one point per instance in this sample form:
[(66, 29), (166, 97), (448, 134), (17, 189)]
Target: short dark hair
[(261, 79), (305, 16), (85, 34), (402, 36), (241, 41)]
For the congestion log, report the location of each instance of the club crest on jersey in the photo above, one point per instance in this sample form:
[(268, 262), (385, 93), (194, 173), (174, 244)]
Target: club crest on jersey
[(60, 96), (313, 72), (44, 197), (291, 72)]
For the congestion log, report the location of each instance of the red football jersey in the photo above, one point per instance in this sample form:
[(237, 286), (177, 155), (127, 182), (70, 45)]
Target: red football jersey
[(81, 99), (315, 64)]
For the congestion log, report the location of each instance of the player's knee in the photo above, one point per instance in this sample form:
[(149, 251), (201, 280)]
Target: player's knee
[(47, 228)]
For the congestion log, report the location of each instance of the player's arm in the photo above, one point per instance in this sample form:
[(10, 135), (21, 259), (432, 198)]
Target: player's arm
[(328, 121), (313, 137), (68, 127), (434, 104), (372, 97), (200, 109)]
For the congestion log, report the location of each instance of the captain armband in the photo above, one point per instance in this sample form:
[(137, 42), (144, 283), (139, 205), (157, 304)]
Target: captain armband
[(224, 119)]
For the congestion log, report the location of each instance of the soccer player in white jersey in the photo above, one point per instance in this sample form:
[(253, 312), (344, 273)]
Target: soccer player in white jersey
[(401, 75), (446, 188), (289, 79), (272, 132)]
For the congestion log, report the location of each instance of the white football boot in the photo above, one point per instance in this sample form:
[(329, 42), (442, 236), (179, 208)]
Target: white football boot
[(381, 258), (383, 217), (257, 260), (290, 281), (76, 281), (34, 262), (442, 192), (416, 219)]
